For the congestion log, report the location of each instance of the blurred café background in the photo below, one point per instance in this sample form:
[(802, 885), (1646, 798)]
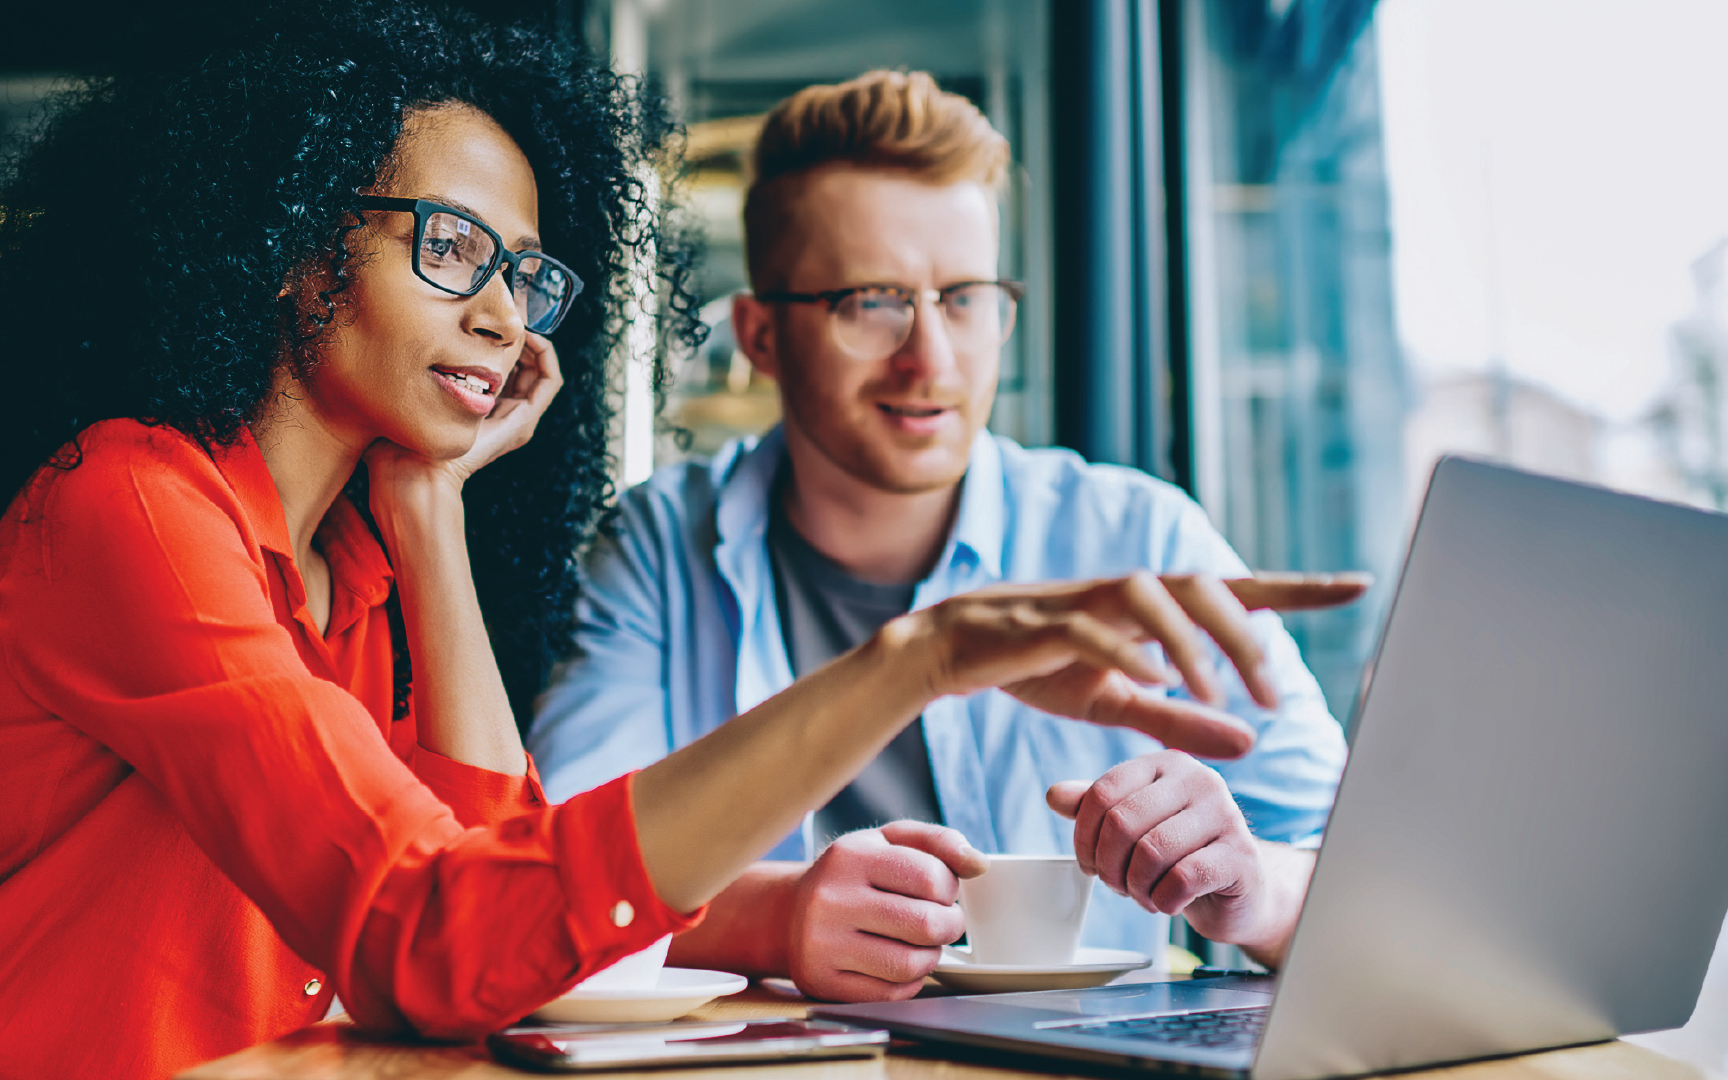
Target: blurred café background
[(1283, 253)]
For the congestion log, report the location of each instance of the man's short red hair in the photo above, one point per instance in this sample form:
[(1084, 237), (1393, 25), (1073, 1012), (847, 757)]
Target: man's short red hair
[(882, 119)]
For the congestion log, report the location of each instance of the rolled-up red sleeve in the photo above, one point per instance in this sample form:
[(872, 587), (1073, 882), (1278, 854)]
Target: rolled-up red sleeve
[(478, 796), (602, 909), (139, 611)]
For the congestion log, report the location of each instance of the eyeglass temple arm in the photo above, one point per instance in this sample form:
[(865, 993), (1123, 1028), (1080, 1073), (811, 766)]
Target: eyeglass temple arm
[(387, 202)]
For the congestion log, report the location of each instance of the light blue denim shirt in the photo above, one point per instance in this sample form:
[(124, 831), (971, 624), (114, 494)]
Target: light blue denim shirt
[(678, 631)]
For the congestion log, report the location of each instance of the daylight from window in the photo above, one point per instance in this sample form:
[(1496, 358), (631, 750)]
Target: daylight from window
[(1559, 205)]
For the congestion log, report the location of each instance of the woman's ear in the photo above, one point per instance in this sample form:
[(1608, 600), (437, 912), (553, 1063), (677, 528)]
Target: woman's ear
[(299, 296), (310, 306), (311, 276)]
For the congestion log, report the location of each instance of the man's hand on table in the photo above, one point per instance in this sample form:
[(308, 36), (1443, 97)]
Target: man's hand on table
[(1164, 830), (871, 915)]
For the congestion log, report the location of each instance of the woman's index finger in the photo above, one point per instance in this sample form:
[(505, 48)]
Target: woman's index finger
[(1217, 610), (1299, 592)]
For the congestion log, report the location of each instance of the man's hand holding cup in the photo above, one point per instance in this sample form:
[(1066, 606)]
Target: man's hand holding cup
[(872, 913)]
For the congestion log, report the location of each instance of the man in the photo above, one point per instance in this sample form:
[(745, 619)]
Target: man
[(871, 232)]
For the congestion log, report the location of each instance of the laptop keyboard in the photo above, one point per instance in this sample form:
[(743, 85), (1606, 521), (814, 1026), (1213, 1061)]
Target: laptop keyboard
[(1215, 1029)]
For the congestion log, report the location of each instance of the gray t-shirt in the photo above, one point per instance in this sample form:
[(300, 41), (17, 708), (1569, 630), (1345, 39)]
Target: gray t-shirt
[(825, 611)]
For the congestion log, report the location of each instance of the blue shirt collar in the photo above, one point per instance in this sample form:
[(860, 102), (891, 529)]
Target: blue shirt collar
[(746, 482), (980, 525)]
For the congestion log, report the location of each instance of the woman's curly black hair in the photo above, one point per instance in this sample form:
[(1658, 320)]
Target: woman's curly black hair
[(148, 230)]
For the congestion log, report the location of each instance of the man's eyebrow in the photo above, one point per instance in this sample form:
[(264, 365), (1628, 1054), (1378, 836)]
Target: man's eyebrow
[(524, 242)]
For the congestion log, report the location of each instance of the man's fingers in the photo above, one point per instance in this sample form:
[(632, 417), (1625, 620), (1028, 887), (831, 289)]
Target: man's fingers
[(946, 844), (1299, 592), (1064, 796), (1217, 611), (907, 871), (839, 985), (884, 959), (902, 920), (1156, 852), (1210, 869), (874, 866), (1101, 796), (1123, 830)]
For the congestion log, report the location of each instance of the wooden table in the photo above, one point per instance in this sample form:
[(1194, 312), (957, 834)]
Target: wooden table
[(333, 1051)]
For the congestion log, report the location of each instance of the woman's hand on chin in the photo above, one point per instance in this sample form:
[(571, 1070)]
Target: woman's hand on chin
[(397, 472), (403, 481), (522, 401)]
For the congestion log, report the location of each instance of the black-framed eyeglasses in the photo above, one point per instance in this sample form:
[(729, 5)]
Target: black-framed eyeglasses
[(458, 253), (873, 322)]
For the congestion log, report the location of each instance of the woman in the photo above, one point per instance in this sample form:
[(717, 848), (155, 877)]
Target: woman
[(285, 350)]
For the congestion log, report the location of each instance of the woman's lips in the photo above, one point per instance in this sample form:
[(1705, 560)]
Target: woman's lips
[(463, 387)]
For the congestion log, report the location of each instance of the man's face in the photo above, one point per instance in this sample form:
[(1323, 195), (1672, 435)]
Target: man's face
[(904, 422)]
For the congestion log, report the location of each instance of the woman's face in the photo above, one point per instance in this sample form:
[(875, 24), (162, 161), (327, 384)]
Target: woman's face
[(410, 363)]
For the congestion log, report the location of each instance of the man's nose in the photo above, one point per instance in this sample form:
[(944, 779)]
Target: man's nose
[(928, 351)]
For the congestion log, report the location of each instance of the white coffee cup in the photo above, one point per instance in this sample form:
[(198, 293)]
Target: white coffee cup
[(1026, 909), (638, 971)]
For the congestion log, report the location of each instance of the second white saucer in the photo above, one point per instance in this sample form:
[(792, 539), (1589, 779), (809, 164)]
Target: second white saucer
[(677, 991), (1091, 967)]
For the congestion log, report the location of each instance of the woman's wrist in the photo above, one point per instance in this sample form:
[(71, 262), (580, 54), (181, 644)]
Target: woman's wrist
[(418, 511), (906, 653)]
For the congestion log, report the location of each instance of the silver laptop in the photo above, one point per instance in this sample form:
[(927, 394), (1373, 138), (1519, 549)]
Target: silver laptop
[(1530, 845)]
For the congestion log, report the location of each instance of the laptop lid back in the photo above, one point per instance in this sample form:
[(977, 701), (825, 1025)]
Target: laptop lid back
[(1530, 845)]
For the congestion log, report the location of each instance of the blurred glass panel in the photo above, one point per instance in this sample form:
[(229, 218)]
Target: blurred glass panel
[(1561, 220), (1299, 385), (1495, 227)]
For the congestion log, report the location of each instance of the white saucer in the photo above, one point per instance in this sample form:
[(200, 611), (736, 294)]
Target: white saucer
[(678, 991), (1091, 967)]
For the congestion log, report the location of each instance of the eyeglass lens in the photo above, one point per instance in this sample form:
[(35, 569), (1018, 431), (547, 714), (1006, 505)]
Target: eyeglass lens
[(875, 323), (457, 255), (541, 289)]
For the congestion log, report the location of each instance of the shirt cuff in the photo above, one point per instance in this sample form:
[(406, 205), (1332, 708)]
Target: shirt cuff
[(611, 904), (479, 796)]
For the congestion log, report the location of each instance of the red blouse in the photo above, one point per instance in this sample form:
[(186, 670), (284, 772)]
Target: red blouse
[(209, 822)]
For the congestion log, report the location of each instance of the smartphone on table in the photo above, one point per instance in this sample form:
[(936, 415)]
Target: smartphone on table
[(585, 1048)]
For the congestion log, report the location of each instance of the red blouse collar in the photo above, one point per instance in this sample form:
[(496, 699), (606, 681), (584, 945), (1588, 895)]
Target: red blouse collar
[(357, 561)]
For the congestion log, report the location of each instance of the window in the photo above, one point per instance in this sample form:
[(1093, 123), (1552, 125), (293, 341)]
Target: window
[(1298, 384)]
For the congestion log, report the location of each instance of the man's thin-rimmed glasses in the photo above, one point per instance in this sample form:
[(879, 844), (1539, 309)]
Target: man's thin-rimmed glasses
[(873, 322), (459, 253)]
